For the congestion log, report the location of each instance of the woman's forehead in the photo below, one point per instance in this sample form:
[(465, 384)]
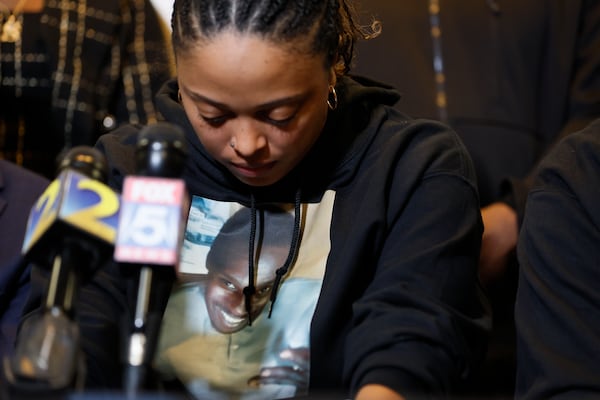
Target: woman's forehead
[(247, 50), (240, 69)]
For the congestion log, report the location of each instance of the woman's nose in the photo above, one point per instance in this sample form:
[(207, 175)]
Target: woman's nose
[(247, 139)]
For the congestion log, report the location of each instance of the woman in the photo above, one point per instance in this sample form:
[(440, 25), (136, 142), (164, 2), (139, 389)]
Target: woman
[(71, 70), (385, 208)]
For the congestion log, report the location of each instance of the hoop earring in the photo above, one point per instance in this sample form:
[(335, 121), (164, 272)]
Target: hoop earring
[(332, 99)]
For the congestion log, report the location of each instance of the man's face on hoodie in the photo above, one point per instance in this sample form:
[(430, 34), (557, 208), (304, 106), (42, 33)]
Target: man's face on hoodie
[(256, 106), (224, 295)]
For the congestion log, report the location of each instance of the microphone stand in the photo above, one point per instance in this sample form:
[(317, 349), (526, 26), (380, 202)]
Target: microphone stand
[(48, 361)]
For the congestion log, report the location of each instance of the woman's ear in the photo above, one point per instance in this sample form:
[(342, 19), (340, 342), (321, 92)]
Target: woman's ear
[(333, 75)]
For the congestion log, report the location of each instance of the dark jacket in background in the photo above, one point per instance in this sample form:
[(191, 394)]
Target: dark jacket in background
[(74, 84), (19, 189)]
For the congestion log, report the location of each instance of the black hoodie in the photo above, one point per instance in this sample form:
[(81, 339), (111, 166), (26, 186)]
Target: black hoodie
[(399, 302)]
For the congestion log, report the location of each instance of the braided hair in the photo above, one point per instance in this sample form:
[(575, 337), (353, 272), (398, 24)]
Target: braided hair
[(329, 26)]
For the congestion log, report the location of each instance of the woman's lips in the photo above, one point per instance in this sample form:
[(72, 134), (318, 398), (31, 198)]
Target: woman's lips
[(253, 171)]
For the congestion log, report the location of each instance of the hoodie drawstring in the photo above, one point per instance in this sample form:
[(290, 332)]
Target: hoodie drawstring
[(250, 290), (281, 272)]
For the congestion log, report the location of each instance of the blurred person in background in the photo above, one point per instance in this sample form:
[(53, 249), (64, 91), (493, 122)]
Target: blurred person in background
[(71, 70), (512, 77)]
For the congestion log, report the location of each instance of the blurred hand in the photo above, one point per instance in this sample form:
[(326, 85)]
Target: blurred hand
[(377, 392), (295, 373), (500, 233)]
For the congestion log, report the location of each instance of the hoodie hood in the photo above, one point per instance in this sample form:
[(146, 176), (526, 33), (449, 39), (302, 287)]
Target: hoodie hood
[(362, 106), (331, 162)]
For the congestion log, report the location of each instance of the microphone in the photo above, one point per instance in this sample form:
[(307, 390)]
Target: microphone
[(149, 236), (70, 231)]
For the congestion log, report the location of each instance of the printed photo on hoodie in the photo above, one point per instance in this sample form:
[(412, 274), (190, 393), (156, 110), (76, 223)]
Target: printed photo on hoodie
[(222, 344)]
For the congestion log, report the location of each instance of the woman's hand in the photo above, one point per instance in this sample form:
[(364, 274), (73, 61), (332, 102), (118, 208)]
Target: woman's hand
[(377, 392), (294, 373)]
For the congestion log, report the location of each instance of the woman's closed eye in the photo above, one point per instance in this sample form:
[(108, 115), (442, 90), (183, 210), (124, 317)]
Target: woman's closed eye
[(221, 119), (217, 120), (279, 117), (279, 122)]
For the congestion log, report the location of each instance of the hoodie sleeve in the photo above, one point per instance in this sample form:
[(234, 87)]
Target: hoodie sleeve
[(421, 325)]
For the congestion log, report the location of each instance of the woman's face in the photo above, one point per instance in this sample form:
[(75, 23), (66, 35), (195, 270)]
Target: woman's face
[(256, 106)]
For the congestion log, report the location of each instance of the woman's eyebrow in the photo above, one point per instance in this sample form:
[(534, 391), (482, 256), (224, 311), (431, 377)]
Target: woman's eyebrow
[(283, 101), (198, 97), (271, 104)]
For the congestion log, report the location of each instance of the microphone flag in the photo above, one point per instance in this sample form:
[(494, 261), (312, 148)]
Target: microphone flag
[(150, 228), (73, 202)]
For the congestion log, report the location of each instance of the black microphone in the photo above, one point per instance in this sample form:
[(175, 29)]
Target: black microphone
[(154, 207), (70, 232)]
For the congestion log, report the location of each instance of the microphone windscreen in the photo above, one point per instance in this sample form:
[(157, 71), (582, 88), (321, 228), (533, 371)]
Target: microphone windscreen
[(161, 150), (87, 161)]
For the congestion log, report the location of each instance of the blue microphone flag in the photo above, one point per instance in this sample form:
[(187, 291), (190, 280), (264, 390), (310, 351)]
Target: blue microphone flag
[(73, 200)]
